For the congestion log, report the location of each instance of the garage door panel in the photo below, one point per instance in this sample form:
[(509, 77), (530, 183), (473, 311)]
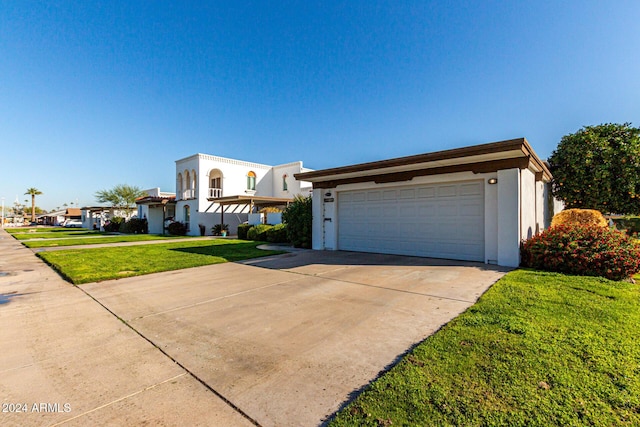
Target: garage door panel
[(447, 191), (471, 189), (426, 192), (440, 220)]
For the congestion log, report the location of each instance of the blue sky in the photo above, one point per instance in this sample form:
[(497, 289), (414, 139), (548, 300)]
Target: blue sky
[(98, 93)]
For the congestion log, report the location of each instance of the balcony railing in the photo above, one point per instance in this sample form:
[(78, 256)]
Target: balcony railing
[(215, 193), (188, 194)]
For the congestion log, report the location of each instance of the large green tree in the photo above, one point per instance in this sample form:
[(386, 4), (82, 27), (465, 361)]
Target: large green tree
[(121, 196), (598, 167), (33, 192)]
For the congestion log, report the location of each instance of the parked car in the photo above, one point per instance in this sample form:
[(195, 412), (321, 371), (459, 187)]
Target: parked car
[(73, 223)]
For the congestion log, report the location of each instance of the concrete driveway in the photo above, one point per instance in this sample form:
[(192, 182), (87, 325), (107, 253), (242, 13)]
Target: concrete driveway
[(286, 340)]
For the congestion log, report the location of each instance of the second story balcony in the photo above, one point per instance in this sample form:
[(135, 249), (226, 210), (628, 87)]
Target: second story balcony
[(189, 194), (215, 193)]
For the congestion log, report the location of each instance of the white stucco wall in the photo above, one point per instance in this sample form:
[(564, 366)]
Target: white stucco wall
[(508, 217), (528, 204), (154, 220), (317, 241), (491, 220)]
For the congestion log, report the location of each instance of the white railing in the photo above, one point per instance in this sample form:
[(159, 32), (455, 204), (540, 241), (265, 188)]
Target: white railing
[(188, 194), (214, 193)]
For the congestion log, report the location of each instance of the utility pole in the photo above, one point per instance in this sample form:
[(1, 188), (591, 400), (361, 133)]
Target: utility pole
[(2, 225)]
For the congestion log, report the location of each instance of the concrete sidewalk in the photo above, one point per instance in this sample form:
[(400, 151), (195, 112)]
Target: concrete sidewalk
[(66, 360)]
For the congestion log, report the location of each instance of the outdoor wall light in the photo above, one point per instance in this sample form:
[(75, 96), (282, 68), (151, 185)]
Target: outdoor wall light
[(327, 194), (493, 180)]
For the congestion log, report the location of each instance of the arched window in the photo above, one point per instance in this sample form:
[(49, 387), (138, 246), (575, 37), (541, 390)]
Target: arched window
[(251, 181), (187, 216), (179, 188), (215, 183), (284, 182)]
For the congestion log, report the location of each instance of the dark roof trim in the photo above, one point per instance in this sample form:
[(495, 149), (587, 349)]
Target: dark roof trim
[(514, 150), (250, 200), (481, 167)]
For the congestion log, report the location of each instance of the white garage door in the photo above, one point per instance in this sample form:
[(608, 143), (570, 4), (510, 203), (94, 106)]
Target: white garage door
[(440, 220)]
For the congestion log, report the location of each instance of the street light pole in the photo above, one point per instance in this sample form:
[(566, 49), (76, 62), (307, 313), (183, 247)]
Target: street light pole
[(2, 226)]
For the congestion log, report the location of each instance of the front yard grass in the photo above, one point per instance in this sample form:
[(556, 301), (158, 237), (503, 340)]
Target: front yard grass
[(91, 265), (538, 349), (98, 239)]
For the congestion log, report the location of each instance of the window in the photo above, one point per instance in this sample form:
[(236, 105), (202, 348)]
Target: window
[(251, 181), (187, 216), (284, 182)]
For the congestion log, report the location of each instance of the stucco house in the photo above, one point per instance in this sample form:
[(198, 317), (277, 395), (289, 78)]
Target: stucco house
[(217, 190), (94, 217), (157, 207), (474, 203)]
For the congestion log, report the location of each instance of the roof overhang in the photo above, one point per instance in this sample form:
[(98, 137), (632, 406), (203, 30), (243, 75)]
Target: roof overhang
[(485, 158), (250, 200), (156, 201)]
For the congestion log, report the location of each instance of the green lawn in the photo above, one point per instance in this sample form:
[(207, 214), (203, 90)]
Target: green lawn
[(538, 349), (102, 238), (58, 234), (91, 265), (18, 230)]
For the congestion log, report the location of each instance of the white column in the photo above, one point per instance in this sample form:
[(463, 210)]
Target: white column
[(509, 217)]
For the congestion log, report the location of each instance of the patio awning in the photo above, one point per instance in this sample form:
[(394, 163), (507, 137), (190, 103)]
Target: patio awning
[(153, 201)]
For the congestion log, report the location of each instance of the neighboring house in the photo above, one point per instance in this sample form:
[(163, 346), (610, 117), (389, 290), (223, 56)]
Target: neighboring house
[(475, 203), (213, 190), (157, 208), (94, 217), (54, 218)]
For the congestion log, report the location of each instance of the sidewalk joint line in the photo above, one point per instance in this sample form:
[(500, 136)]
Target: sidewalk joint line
[(187, 370)]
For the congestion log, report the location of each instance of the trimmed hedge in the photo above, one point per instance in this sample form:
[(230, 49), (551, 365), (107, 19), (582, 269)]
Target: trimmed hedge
[(135, 226), (277, 234), (242, 231), (585, 250), (259, 232), (113, 224), (177, 229), (579, 217)]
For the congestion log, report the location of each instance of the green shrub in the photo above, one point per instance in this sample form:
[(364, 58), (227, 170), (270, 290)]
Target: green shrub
[(277, 234), (242, 231), (298, 217), (586, 250), (135, 226), (177, 229), (259, 232), (219, 228), (630, 224), (113, 224)]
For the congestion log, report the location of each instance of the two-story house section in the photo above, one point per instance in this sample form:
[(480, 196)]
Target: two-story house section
[(211, 189)]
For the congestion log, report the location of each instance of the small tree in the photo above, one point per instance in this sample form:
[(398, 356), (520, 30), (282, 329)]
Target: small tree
[(121, 196), (598, 168), (298, 217)]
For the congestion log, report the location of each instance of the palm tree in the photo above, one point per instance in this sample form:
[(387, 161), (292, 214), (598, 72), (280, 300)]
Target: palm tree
[(33, 192)]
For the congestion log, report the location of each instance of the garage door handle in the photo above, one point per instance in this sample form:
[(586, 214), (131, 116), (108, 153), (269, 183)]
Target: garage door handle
[(328, 219)]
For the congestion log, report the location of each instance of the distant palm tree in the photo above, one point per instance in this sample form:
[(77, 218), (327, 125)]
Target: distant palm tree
[(33, 192)]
